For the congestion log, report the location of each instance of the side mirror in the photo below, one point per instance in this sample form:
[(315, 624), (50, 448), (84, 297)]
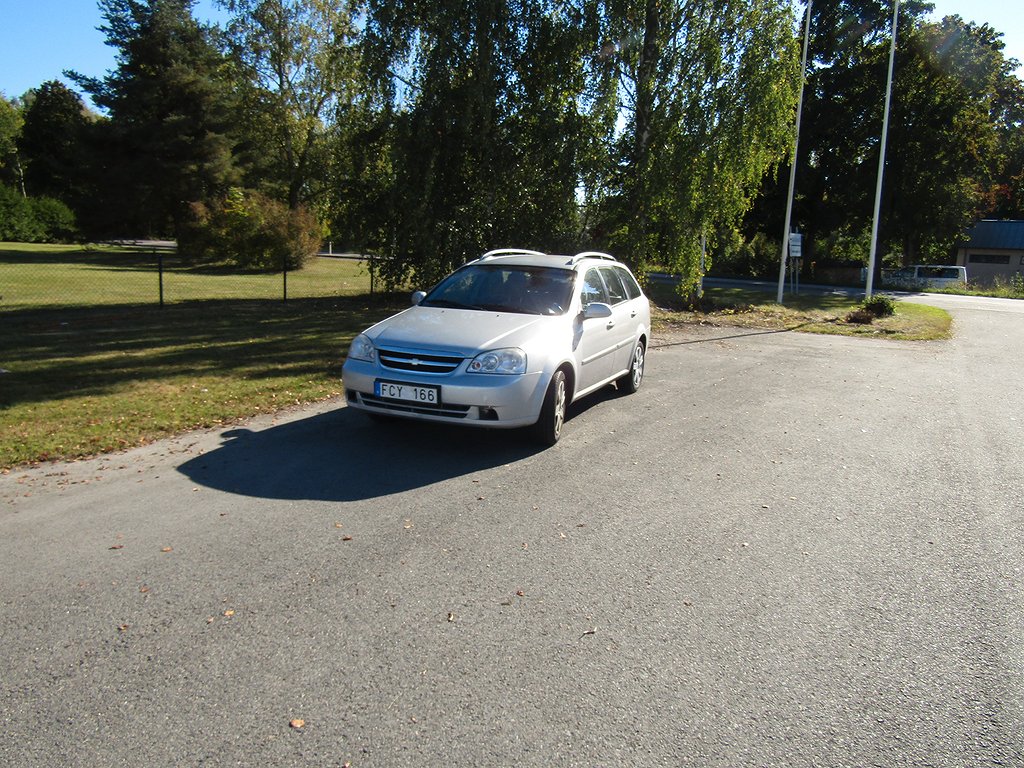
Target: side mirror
[(418, 296), (598, 310)]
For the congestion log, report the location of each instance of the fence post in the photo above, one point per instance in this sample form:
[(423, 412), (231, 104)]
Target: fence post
[(160, 270), (284, 274)]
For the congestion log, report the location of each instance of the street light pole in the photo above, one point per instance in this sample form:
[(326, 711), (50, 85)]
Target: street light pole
[(881, 155), (796, 147)]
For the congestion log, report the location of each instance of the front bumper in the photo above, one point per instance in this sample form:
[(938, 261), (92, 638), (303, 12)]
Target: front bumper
[(474, 399)]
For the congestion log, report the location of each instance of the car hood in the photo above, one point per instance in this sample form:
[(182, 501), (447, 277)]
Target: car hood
[(463, 331)]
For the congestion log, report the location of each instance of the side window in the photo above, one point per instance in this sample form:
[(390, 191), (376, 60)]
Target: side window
[(616, 293), (593, 289), (629, 283)]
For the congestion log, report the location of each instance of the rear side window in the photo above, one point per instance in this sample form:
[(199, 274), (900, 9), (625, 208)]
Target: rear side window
[(616, 291), (593, 289), (629, 283)]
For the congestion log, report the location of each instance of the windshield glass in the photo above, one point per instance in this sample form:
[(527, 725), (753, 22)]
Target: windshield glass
[(505, 288)]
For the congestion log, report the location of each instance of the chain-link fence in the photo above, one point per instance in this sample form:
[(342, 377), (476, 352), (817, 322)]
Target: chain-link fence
[(41, 276)]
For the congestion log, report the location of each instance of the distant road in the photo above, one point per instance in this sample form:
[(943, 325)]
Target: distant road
[(944, 300)]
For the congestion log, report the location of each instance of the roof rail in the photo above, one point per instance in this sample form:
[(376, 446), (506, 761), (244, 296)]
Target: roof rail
[(509, 252), (591, 255)]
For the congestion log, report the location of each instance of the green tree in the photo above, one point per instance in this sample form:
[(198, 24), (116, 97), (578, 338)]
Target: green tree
[(297, 62), (52, 142), (707, 93), (492, 123), (11, 120), (1005, 199), (953, 133), (171, 113), (444, 68), (944, 137)]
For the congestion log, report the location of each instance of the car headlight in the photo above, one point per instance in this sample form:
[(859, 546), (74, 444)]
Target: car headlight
[(362, 349), (507, 361)]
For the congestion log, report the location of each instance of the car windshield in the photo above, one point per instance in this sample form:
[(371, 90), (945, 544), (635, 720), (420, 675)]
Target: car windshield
[(505, 288)]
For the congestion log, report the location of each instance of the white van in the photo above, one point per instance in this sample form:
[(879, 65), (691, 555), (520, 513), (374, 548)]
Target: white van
[(920, 276)]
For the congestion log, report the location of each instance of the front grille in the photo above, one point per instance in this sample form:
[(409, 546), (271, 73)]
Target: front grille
[(417, 361), (427, 409)]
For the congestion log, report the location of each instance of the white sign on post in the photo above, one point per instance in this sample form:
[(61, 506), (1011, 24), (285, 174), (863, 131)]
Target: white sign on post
[(796, 244)]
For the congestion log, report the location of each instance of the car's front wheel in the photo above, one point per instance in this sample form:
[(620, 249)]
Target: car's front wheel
[(548, 428), (631, 382)]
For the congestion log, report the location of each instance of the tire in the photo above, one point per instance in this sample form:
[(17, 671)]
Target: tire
[(631, 382), (548, 428)]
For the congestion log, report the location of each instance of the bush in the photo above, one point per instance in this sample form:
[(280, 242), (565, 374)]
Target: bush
[(249, 230), (55, 219), (757, 257), (880, 306), (34, 219)]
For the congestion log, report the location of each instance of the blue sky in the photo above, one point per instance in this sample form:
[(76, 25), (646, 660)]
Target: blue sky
[(39, 39)]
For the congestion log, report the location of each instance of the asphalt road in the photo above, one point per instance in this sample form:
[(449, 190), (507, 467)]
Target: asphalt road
[(786, 550)]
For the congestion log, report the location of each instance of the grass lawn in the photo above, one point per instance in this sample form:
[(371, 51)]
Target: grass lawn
[(807, 313), (85, 381), (33, 276), (91, 364)]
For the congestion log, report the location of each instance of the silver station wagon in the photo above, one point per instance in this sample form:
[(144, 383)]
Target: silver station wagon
[(507, 340)]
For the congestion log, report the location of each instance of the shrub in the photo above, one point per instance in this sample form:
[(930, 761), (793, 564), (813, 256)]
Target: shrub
[(880, 306), (54, 218), (251, 231), (34, 219)]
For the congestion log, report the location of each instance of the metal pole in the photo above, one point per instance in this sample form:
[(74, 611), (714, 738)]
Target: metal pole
[(284, 274), (881, 155), (703, 262), (796, 148), (160, 270)]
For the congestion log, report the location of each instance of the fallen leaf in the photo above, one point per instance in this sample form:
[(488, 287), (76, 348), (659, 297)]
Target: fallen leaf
[(229, 613), (297, 723), (338, 525), (167, 549), (520, 593), (451, 617), (346, 538), (144, 589), (123, 628), (117, 546)]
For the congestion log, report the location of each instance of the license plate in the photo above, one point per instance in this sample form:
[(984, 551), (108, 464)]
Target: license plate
[(412, 393)]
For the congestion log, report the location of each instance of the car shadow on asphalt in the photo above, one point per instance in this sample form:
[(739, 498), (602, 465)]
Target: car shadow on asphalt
[(341, 455)]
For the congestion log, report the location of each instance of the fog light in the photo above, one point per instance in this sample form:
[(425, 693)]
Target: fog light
[(488, 414)]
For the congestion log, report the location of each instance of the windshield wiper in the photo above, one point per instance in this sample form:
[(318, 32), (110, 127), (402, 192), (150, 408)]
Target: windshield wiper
[(447, 304), (508, 308)]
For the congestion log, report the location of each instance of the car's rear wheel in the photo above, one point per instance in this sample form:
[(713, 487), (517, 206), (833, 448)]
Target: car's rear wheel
[(631, 382), (548, 428)]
